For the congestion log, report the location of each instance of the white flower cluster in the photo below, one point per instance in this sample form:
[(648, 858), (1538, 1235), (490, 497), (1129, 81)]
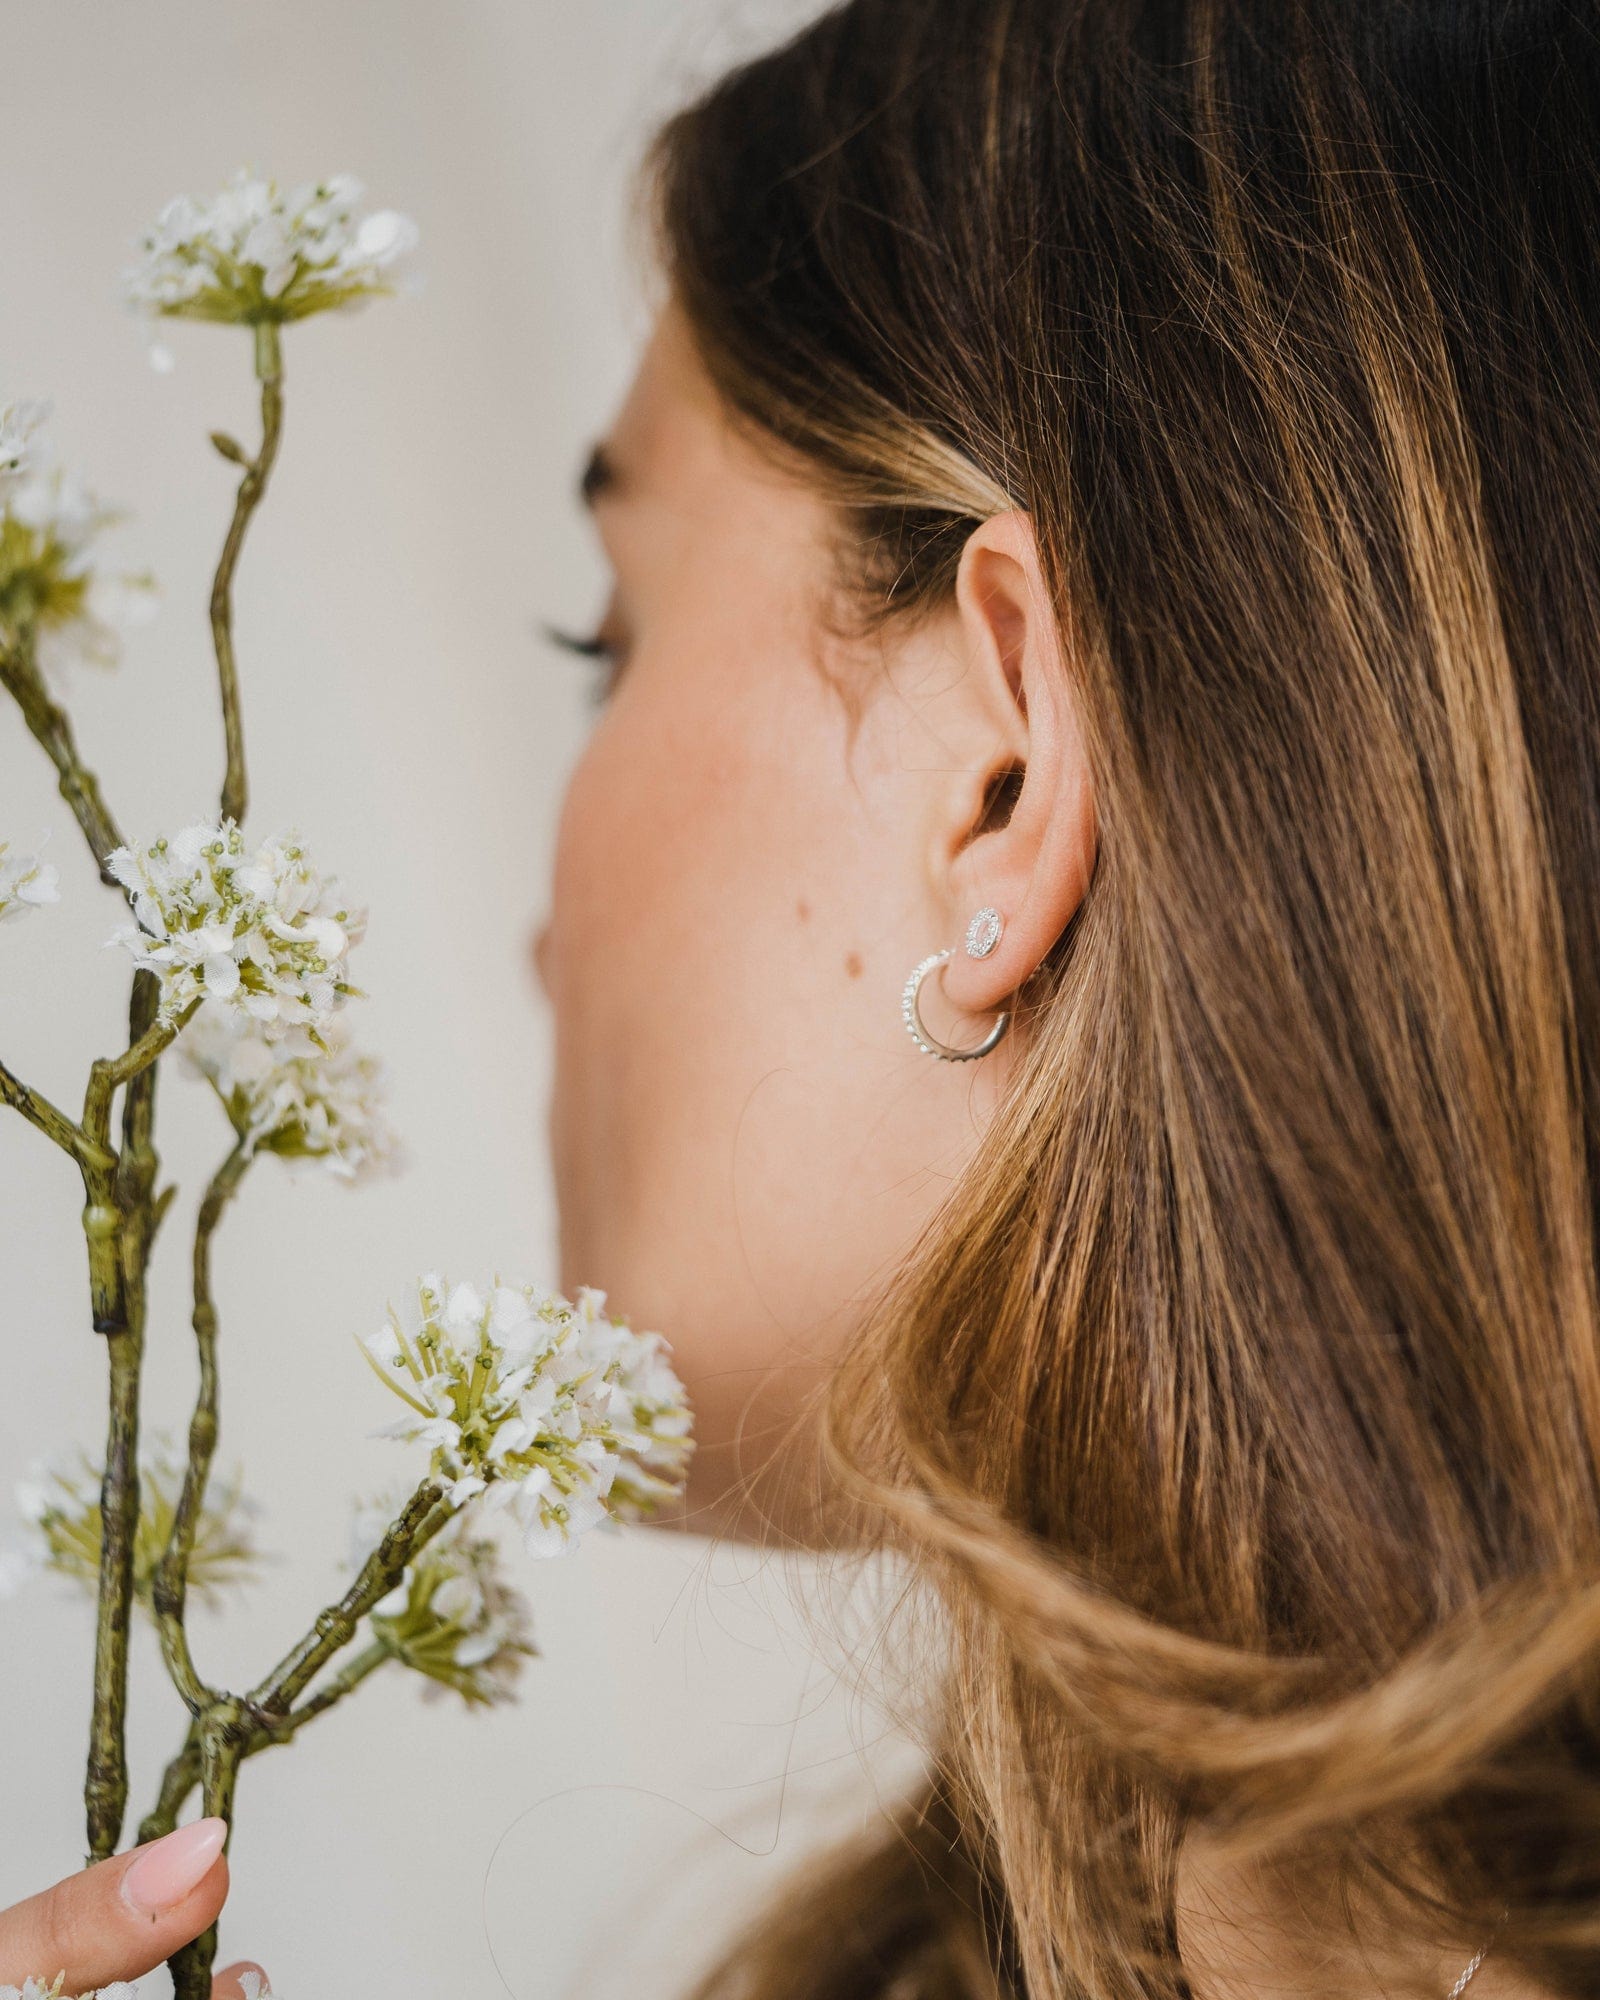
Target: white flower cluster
[(255, 253), (260, 931), (51, 593), (555, 1410), (25, 882), (452, 1617), (59, 1502), (293, 1097)]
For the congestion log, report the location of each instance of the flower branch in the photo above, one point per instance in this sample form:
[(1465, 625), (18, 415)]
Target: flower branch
[(281, 1729), (257, 470), (422, 1517), (58, 606), (51, 728), (169, 1585), (106, 1177), (108, 1074), (553, 1410), (178, 1780), (133, 1213), (183, 1771), (53, 1123), (227, 1728), (118, 1225)]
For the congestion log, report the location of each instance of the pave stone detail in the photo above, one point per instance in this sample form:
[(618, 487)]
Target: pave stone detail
[(983, 933), (908, 1000)]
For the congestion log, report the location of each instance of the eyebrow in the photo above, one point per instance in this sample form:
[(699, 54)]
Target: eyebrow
[(601, 474)]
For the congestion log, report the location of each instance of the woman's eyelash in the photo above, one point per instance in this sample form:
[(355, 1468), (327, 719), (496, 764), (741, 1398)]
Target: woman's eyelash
[(593, 646)]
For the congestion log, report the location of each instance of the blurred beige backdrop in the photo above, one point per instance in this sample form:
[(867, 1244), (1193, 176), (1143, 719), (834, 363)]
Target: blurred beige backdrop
[(682, 1743)]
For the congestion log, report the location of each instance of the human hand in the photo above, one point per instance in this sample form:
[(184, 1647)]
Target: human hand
[(122, 1917)]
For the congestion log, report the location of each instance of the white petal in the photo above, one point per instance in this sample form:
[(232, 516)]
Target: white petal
[(383, 1346), (474, 1648), (404, 1428), (465, 1306), (459, 1599), (42, 886), (221, 976), (543, 1538), (329, 937), (513, 1435), (385, 234)]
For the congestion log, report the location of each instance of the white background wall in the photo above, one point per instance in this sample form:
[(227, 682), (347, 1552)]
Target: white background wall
[(681, 1743)]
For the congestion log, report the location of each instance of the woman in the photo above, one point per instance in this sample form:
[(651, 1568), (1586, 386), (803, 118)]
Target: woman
[(1107, 548)]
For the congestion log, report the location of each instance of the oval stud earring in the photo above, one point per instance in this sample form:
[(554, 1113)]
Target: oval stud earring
[(930, 1045), (983, 933)]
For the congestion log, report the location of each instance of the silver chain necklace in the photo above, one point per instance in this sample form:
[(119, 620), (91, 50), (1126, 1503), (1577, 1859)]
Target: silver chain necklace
[(1465, 1980)]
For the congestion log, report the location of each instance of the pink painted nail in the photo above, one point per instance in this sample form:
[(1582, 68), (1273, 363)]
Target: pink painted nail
[(250, 1978), (169, 1868)]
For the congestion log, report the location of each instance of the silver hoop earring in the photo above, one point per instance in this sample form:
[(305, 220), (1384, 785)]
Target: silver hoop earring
[(929, 1044)]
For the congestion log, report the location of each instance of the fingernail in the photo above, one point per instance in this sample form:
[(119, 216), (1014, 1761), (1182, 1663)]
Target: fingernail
[(169, 1868), (250, 1978)]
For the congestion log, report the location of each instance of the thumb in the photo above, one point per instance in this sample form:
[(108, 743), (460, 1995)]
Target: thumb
[(120, 1918)]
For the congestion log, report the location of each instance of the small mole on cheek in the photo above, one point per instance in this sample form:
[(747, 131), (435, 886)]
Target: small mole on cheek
[(852, 964), (802, 909)]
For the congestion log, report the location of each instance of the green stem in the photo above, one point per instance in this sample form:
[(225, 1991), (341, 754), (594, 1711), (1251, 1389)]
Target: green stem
[(224, 1731), (178, 1780), (117, 1227), (51, 726), (116, 1272), (233, 1727), (223, 1735), (108, 1073), (138, 1113), (53, 1123), (169, 1585), (269, 370), (119, 1221), (425, 1513), (105, 1789), (183, 1772), (333, 1690), (219, 1742), (108, 1182)]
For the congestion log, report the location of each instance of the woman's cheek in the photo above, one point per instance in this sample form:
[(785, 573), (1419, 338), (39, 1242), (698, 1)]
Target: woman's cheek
[(592, 873)]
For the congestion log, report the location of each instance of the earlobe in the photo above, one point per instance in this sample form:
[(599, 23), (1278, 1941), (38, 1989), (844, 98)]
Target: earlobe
[(1032, 866)]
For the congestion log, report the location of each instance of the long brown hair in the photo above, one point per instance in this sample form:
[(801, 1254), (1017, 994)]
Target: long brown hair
[(1242, 1405)]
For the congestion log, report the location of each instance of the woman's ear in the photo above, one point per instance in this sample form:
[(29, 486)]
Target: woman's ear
[(1020, 833)]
